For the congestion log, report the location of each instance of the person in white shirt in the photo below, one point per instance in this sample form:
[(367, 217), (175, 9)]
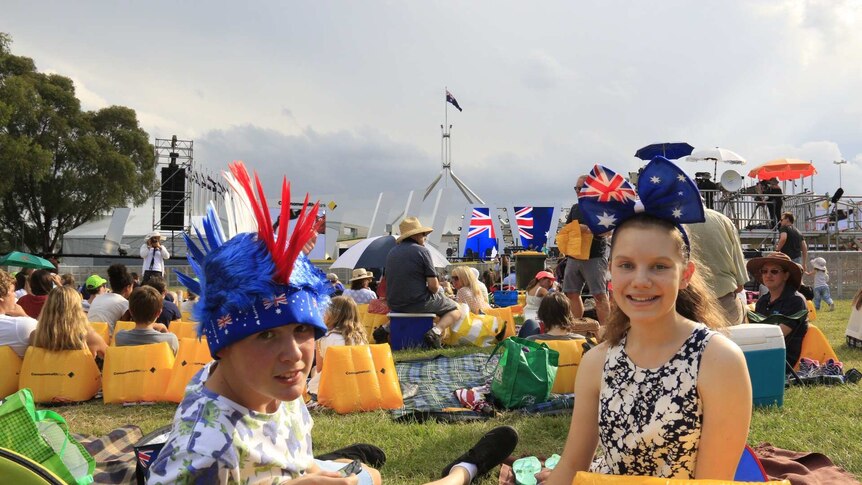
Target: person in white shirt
[(15, 326), (154, 256), (109, 307)]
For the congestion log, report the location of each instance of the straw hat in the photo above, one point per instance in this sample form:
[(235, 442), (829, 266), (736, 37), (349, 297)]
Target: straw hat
[(819, 263), (411, 226), (332, 277), (779, 259), (360, 274)]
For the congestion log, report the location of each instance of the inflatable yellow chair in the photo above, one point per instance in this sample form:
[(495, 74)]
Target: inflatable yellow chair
[(586, 478), (20, 470), (571, 352), (184, 329), (59, 376), (103, 330), (121, 326), (477, 330), (815, 346), (370, 321), (359, 378), (192, 355), (11, 365), (505, 317), (137, 373), (812, 312)]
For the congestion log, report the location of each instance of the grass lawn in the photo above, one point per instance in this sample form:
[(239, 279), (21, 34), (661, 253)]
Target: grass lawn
[(823, 419)]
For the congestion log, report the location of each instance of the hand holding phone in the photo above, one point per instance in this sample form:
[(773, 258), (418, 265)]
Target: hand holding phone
[(352, 468)]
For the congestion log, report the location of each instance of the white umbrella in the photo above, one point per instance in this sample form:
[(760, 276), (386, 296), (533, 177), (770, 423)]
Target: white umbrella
[(715, 155), (372, 252)]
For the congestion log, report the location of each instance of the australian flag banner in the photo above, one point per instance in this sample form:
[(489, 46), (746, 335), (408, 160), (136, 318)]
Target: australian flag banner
[(451, 99), (533, 223), (481, 237)]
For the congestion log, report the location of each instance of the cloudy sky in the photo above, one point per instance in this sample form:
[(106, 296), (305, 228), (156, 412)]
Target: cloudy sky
[(347, 98)]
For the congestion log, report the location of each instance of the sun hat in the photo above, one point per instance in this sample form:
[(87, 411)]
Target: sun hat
[(411, 226), (779, 259), (360, 274), (95, 282), (332, 277), (819, 263), (153, 234), (545, 274)]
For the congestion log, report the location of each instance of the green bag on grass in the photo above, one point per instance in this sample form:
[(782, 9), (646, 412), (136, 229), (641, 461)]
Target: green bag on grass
[(525, 373), (43, 437)]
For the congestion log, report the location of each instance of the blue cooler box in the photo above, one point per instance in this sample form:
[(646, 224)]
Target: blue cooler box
[(765, 356), (407, 329)]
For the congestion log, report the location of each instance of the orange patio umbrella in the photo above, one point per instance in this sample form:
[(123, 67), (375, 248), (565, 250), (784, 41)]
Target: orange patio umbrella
[(783, 169)]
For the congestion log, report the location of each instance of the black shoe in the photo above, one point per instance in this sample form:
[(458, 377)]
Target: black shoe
[(432, 339), (381, 335), (489, 451), (368, 454)]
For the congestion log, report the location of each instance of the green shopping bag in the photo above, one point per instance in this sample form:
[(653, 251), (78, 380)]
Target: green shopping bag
[(43, 437), (525, 373)]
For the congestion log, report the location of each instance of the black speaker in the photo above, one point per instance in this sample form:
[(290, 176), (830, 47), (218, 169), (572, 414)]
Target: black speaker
[(173, 197)]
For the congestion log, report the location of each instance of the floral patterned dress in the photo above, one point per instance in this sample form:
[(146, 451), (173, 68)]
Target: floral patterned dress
[(215, 440), (650, 419)]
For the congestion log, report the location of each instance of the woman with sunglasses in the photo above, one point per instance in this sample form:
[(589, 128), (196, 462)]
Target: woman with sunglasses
[(782, 277)]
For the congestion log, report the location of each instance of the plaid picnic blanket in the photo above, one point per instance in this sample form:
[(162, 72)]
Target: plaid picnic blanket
[(437, 379), (114, 454)]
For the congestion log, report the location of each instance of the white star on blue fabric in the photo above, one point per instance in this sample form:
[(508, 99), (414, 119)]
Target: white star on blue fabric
[(680, 177), (607, 220), (677, 212), (679, 193), (654, 179)]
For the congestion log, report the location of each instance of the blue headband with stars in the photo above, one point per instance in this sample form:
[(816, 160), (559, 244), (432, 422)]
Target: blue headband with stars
[(664, 191)]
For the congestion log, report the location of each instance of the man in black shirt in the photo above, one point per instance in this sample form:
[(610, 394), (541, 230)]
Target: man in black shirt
[(791, 243), (592, 272)]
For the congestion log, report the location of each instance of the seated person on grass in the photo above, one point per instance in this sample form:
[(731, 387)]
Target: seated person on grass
[(63, 324), (145, 305), (170, 311), (555, 316), (243, 418)]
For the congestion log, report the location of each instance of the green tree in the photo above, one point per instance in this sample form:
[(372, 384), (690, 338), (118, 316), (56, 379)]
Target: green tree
[(62, 166)]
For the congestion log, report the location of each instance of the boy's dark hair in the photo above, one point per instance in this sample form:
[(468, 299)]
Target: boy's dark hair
[(41, 282), (145, 304), (555, 310), (21, 278), (789, 216), (119, 277), (158, 283)]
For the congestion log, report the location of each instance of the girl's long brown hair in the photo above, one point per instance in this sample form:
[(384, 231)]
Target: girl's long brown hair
[(62, 323), (342, 316), (697, 302)]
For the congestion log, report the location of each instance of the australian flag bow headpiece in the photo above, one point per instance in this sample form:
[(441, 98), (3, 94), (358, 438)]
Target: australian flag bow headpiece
[(664, 191)]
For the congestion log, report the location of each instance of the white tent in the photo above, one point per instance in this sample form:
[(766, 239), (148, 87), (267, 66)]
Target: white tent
[(89, 238)]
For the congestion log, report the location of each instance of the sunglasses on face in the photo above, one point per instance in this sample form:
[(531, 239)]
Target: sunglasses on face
[(771, 271)]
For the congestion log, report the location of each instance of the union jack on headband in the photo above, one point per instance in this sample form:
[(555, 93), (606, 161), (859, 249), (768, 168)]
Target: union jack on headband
[(144, 457), (605, 188), (480, 222), (524, 219)]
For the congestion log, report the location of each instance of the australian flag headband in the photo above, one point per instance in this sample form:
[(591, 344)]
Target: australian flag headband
[(258, 279), (664, 191)]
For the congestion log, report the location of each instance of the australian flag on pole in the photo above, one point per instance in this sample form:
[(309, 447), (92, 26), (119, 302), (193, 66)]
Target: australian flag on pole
[(451, 99)]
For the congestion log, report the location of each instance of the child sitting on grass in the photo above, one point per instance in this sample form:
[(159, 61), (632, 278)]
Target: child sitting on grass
[(342, 320), (243, 418), (145, 305)]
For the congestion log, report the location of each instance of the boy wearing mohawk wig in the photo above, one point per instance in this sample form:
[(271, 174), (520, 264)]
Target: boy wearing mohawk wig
[(243, 419)]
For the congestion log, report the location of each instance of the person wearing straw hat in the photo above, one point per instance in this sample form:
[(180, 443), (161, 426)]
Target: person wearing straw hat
[(782, 278), (412, 284), (154, 256), (359, 291)]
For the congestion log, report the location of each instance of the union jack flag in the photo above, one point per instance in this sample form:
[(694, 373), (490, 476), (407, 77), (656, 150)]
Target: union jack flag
[(275, 302), (480, 222), (605, 188), (224, 321), (524, 219), (144, 458)]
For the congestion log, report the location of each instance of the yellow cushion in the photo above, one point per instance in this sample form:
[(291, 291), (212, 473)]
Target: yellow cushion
[(137, 373), (586, 478), (103, 330), (370, 321), (183, 329), (505, 317), (11, 365), (192, 355), (573, 242), (571, 352), (59, 376), (815, 346), (812, 312), (359, 378), (472, 329), (120, 326)]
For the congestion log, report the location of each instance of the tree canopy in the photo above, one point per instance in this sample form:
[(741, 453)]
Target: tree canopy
[(62, 166)]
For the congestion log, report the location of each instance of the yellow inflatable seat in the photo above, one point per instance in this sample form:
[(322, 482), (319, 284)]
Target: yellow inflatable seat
[(20, 470), (815, 346), (571, 352), (192, 355), (812, 312), (103, 330), (522, 298), (586, 478), (11, 365), (370, 321), (517, 309), (505, 317), (184, 329), (186, 316), (359, 378), (120, 326), (137, 373), (477, 330), (59, 376)]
